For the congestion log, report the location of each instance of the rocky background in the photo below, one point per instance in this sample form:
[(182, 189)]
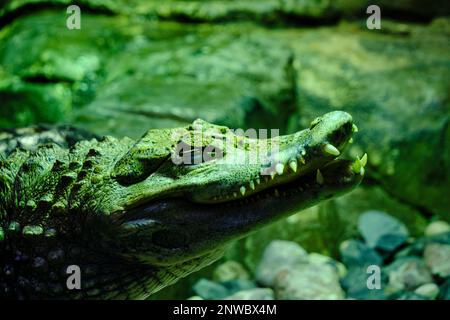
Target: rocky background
[(139, 64)]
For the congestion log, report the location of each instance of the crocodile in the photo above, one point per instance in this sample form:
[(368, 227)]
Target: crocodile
[(113, 218)]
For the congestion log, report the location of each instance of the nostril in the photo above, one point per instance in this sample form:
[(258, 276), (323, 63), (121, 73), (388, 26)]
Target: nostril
[(315, 122)]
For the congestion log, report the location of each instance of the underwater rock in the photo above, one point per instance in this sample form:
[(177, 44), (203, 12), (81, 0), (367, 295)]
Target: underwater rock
[(417, 247), (253, 294), (122, 76), (437, 227), (309, 282), (210, 290), (428, 290), (357, 253), (355, 285), (382, 231), (236, 285), (206, 72), (407, 274), (367, 73), (230, 270), (279, 255), (437, 257), (319, 259), (445, 290)]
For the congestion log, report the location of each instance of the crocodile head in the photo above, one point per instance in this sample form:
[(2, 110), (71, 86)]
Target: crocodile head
[(141, 214), (187, 192)]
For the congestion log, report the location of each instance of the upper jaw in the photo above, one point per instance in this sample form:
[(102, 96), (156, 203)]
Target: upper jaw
[(299, 154), (212, 182)]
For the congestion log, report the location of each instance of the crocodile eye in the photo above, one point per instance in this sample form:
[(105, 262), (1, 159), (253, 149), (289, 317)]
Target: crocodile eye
[(315, 122)]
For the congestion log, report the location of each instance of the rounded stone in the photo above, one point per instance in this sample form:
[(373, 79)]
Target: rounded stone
[(308, 282), (437, 227), (279, 255), (382, 231), (230, 270), (437, 257), (428, 290)]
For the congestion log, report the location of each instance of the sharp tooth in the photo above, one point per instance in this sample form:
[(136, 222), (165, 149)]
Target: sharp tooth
[(303, 152), (319, 177), (242, 190), (357, 166), (266, 179), (293, 165), (252, 185), (350, 140), (354, 128), (302, 160), (277, 194), (329, 148), (258, 181), (235, 194), (272, 175), (364, 160), (279, 168)]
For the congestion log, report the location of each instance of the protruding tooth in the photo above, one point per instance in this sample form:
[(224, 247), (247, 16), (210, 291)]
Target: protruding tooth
[(277, 194), (272, 175), (354, 128), (266, 179), (302, 160), (258, 181), (235, 194), (329, 148), (303, 152), (252, 185), (242, 190), (364, 160), (358, 167), (279, 168), (293, 165), (350, 140), (319, 177)]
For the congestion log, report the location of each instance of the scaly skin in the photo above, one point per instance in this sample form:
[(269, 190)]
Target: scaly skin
[(135, 217)]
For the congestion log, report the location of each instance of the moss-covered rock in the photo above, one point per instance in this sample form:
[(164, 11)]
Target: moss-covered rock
[(121, 76), (396, 87)]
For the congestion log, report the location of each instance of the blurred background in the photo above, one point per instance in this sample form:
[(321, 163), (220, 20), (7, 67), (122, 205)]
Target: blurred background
[(140, 64)]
